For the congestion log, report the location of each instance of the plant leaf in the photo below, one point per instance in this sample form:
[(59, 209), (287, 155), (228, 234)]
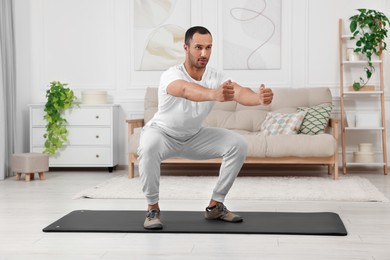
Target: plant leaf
[(353, 26)]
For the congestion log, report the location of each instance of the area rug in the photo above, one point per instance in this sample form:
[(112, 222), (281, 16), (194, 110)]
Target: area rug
[(346, 188), (289, 223)]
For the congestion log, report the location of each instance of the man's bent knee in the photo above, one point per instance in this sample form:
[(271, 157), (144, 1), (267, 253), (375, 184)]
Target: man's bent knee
[(242, 146)]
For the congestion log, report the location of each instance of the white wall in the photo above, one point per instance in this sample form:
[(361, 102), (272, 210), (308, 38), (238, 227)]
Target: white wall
[(93, 50)]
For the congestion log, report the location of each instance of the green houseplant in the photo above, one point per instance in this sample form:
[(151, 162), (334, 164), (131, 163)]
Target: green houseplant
[(59, 98), (369, 29)]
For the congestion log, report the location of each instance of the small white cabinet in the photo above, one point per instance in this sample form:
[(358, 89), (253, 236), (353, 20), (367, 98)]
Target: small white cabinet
[(92, 136)]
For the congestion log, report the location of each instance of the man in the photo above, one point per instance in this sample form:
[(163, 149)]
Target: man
[(186, 95)]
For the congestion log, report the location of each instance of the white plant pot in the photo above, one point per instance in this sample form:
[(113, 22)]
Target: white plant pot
[(352, 56), (94, 97)]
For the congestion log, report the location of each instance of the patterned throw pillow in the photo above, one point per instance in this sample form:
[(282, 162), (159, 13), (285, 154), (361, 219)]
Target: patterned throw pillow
[(279, 124), (316, 119)]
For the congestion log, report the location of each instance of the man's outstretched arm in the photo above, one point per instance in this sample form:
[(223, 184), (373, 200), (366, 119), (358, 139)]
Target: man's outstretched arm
[(196, 92), (248, 97)]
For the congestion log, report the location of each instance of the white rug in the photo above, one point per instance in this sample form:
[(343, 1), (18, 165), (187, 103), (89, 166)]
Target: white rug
[(346, 188)]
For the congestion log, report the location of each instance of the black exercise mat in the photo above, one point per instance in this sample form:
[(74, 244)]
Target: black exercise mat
[(319, 223)]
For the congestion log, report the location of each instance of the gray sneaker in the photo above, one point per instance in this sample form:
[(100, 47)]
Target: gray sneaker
[(152, 220), (222, 213)]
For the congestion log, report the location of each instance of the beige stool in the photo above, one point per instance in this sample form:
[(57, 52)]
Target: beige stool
[(30, 163)]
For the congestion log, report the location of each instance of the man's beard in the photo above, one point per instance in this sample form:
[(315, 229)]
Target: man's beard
[(198, 63)]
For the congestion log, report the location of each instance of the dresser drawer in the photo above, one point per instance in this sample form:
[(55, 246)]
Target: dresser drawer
[(80, 156), (92, 136), (36, 116), (76, 116), (77, 136), (89, 116)]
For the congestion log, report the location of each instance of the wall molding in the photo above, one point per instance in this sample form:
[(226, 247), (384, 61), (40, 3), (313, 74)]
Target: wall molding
[(42, 12)]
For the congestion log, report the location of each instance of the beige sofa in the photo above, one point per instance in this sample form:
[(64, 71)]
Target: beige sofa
[(319, 149)]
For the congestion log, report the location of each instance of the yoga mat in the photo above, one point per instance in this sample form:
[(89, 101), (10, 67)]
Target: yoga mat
[(289, 223)]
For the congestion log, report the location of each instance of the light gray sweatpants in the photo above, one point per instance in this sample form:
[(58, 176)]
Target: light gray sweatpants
[(156, 145)]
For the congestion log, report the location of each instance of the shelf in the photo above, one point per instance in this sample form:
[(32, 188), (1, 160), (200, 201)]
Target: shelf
[(375, 94), (361, 62), (363, 92), (363, 128), (365, 164)]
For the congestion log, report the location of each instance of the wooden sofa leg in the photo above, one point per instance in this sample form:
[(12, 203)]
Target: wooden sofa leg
[(330, 167), (41, 176), (27, 176), (131, 166), (131, 170), (333, 169)]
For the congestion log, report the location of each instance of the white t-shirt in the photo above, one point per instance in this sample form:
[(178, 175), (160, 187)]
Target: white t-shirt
[(180, 117)]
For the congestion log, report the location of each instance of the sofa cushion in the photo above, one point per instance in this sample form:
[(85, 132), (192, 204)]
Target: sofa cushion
[(134, 142), (316, 119), (320, 145), (285, 98), (248, 120), (257, 144), (150, 104), (279, 123)]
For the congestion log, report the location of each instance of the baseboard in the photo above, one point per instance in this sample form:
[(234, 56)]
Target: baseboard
[(121, 167)]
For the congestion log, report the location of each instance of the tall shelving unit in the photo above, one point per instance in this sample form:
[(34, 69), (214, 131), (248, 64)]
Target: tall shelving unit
[(377, 93)]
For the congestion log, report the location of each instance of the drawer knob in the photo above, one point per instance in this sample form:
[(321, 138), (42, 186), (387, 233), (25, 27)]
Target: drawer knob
[(97, 156), (97, 117), (97, 136)]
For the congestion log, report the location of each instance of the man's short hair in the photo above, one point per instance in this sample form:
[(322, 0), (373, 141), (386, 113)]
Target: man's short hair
[(191, 31)]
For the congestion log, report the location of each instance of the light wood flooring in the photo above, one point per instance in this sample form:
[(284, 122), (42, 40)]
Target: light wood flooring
[(27, 207)]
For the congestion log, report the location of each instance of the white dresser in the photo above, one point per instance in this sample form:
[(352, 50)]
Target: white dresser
[(92, 136)]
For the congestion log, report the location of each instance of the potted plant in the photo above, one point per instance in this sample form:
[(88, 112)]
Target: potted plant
[(369, 29), (59, 98)]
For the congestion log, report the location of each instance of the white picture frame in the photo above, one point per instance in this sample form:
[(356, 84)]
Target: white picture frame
[(158, 33), (251, 34)]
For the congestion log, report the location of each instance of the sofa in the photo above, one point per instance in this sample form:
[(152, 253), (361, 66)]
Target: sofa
[(257, 125)]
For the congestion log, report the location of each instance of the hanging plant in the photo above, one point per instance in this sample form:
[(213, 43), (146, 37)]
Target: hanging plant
[(59, 98), (369, 29)]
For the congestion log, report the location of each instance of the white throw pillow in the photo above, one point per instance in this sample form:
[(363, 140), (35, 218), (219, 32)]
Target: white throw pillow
[(282, 124)]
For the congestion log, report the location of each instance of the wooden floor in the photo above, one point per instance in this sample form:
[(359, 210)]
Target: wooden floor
[(27, 207)]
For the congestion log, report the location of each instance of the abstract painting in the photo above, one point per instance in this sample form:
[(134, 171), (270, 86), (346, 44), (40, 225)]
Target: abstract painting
[(159, 28), (251, 34)]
